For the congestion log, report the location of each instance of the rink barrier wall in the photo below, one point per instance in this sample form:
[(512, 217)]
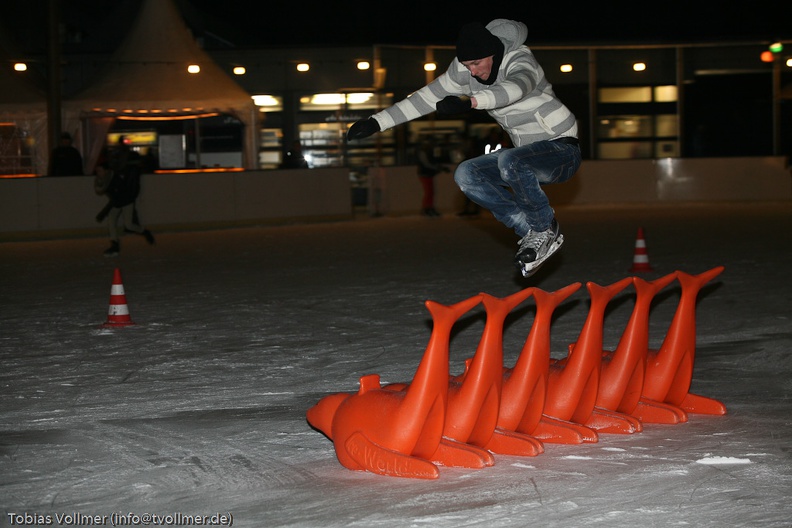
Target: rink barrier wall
[(67, 206), (630, 182)]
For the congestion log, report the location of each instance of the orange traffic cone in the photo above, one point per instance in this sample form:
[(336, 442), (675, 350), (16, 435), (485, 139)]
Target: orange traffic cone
[(641, 257), (118, 313)]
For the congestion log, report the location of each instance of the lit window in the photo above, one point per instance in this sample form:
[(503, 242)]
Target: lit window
[(665, 94), (338, 98), (328, 99), (359, 98), (266, 100), (337, 101), (630, 94)]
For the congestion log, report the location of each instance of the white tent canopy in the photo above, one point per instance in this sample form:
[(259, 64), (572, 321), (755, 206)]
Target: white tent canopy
[(147, 77), (24, 105)]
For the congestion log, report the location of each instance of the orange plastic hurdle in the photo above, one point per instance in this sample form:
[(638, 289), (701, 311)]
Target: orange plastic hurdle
[(474, 397), (397, 432), (525, 385), (624, 369), (669, 371), (409, 429), (574, 381)]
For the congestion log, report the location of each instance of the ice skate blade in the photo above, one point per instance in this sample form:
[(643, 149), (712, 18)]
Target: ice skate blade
[(529, 268)]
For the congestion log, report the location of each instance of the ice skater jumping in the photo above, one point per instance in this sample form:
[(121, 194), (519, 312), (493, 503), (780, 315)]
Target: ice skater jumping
[(495, 71)]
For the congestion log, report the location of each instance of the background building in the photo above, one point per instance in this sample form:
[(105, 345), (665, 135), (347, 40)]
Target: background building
[(640, 100)]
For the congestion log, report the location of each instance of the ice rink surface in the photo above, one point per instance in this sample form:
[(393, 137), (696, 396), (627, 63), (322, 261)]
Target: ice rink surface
[(199, 409)]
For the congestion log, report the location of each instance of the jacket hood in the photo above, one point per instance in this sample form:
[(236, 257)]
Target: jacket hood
[(511, 32)]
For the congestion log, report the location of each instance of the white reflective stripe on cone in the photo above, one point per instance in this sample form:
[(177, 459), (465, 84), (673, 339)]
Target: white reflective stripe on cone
[(118, 309)]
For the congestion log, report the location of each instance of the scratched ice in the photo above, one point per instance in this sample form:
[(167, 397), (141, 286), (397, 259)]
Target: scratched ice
[(199, 408)]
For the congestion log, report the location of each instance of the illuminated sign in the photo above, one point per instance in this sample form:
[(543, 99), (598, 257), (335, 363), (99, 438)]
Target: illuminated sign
[(135, 139)]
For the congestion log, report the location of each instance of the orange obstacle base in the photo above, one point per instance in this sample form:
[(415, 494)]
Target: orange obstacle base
[(612, 422), (451, 453), (695, 404), (653, 412), (553, 430)]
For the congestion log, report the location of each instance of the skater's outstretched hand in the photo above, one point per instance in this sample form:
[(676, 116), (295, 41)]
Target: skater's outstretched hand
[(453, 104), (363, 129)]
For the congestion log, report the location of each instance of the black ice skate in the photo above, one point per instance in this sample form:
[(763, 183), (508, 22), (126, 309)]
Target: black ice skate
[(536, 247), (113, 250)]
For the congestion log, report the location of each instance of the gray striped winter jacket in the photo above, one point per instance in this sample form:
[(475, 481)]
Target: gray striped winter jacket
[(521, 99)]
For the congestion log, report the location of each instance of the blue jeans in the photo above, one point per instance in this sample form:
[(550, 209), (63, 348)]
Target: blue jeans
[(508, 182)]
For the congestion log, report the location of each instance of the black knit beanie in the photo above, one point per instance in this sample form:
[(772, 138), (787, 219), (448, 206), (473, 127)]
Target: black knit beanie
[(476, 42)]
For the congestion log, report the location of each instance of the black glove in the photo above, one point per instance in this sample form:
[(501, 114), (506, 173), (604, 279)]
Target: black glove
[(363, 129), (453, 104)]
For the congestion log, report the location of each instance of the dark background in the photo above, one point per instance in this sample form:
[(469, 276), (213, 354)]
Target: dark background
[(96, 24)]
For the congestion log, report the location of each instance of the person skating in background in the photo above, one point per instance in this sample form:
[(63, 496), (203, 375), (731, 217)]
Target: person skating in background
[(496, 72), (118, 177)]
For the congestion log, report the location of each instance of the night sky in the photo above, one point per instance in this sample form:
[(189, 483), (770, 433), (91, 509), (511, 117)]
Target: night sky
[(244, 23), (424, 22)]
